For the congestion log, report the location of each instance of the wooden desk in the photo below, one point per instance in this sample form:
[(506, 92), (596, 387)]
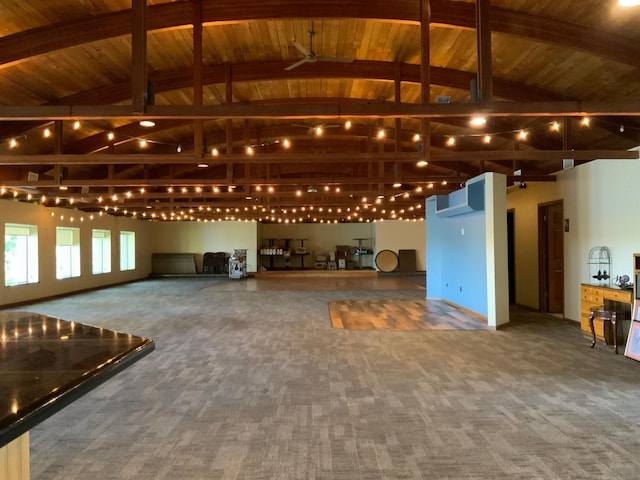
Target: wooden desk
[(599, 297)]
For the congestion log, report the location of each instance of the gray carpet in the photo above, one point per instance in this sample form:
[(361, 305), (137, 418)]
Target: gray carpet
[(257, 385)]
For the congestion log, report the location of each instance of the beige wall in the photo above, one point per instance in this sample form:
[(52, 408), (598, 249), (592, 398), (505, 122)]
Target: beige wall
[(397, 235), (602, 205), (323, 237), (320, 237), (202, 237), (47, 219)]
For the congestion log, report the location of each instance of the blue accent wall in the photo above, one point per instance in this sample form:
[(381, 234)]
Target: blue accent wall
[(456, 257)]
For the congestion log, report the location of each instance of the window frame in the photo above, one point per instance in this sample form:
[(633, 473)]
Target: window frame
[(127, 251), (68, 253), (30, 271), (100, 255)]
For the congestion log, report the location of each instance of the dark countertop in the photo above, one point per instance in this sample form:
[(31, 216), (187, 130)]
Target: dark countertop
[(46, 363)]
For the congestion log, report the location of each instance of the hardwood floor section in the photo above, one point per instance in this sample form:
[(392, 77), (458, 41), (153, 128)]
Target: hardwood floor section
[(317, 274), (327, 282), (400, 315)]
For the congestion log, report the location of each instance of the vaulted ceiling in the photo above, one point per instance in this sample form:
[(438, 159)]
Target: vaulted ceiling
[(305, 110)]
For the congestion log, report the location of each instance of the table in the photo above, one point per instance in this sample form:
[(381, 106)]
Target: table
[(46, 363)]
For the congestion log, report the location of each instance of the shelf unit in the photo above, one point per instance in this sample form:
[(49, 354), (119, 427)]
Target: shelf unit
[(361, 251), (282, 249)]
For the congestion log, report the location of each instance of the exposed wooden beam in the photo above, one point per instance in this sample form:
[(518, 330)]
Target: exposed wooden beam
[(483, 36), (139, 87), (262, 71), (198, 141), (328, 110), (460, 14), (425, 75), (349, 157)]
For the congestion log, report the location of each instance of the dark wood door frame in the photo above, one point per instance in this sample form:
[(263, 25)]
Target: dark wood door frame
[(511, 255)]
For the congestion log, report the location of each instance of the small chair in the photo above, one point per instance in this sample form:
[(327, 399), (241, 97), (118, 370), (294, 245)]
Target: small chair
[(606, 316)]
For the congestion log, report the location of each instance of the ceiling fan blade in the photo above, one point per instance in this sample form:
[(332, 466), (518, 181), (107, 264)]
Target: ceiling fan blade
[(297, 64), (335, 59), (302, 48)]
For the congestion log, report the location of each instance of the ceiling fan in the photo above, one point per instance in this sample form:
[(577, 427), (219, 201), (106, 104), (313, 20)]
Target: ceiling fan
[(316, 129), (310, 56)]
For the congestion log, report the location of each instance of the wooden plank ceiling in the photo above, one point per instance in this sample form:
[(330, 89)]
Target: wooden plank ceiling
[(237, 129)]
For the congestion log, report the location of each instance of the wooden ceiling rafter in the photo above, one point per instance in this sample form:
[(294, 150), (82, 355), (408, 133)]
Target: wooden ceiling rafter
[(239, 158), (171, 15), (162, 169)]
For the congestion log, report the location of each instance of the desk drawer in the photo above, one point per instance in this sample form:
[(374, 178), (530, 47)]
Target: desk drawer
[(623, 296), (592, 296)]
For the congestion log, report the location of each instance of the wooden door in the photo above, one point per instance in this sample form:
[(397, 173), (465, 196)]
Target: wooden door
[(551, 257)]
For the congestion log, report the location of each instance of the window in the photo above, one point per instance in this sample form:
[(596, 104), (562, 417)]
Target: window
[(100, 251), (127, 251), (20, 254), (67, 252)]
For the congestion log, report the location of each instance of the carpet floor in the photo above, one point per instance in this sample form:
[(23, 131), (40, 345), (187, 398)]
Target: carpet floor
[(256, 384)]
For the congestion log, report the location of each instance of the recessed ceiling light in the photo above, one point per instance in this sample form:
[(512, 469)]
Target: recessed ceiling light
[(478, 121), (147, 123)]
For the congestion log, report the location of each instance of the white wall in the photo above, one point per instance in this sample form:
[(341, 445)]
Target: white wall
[(397, 235), (602, 205), (202, 237), (47, 219)]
